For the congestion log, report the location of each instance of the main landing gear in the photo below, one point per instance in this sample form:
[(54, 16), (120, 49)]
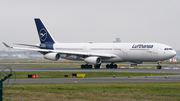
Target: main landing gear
[(86, 66), (108, 66), (97, 66), (111, 66), (90, 66)]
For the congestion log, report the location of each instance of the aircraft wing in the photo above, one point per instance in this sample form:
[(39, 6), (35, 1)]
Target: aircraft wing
[(63, 52), (28, 45)]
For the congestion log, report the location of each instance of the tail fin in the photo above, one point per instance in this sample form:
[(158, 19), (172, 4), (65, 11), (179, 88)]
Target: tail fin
[(44, 35)]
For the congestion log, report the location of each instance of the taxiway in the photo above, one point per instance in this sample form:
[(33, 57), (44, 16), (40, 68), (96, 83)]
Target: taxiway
[(95, 70), (172, 78)]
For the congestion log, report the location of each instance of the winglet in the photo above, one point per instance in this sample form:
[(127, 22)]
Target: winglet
[(7, 45)]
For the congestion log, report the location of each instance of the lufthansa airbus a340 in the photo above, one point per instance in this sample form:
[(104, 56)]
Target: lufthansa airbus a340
[(97, 53)]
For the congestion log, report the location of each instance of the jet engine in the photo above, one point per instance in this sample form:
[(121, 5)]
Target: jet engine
[(52, 56), (93, 60)]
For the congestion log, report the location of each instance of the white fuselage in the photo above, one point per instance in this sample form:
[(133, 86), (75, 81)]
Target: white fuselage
[(133, 52)]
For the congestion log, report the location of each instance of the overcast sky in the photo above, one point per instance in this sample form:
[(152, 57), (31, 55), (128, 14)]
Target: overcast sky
[(71, 21)]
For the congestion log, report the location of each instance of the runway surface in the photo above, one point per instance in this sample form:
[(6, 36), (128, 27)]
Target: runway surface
[(94, 70), (171, 78), (99, 79)]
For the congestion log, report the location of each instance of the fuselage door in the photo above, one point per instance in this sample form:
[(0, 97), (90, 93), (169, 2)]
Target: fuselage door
[(155, 52), (125, 52)]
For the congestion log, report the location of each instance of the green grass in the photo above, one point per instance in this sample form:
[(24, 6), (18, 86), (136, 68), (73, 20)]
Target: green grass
[(59, 74), (151, 91)]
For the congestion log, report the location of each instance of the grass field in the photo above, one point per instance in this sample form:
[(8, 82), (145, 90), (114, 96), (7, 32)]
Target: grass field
[(151, 91), (156, 91), (59, 74)]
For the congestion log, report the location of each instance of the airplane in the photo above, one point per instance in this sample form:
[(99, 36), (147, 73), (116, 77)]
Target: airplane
[(97, 53)]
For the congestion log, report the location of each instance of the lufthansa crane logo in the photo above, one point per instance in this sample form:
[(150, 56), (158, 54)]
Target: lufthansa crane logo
[(43, 34)]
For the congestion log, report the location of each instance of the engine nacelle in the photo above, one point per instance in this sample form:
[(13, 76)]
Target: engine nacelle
[(52, 56), (93, 60)]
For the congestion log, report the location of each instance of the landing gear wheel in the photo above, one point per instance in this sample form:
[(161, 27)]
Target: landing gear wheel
[(115, 66), (107, 66), (90, 66), (82, 66), (111, 66), (86, 66), (97, 66), (159, 67)]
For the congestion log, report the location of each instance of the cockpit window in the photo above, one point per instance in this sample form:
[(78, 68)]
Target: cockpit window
[(168, 49)]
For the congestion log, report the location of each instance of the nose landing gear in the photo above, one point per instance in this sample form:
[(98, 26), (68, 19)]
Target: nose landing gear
[(159, 65)]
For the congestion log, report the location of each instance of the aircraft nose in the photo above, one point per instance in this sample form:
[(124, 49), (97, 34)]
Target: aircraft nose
[(174, 53), (170, 54)]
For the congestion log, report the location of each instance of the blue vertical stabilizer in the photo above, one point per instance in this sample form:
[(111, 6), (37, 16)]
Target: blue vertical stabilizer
[(44, 35)]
